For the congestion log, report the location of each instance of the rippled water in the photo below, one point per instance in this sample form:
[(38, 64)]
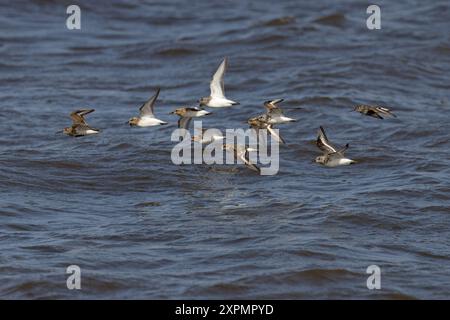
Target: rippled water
[(141, 227)]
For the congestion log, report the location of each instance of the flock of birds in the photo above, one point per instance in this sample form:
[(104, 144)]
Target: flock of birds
[(331, 156)]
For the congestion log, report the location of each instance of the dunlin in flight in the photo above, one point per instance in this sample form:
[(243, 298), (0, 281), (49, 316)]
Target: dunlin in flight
[(374, 111), (146, 117), (186, 114), (217, 97), (275, 112), (205, 137), (331, 157), (242, 153), (79, 126), (263, 122)]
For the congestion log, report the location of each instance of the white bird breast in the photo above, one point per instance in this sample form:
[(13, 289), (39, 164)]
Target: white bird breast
[(219, 103), (147, 122)]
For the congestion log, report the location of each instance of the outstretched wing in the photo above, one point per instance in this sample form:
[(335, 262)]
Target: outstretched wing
[(343, 149), (217, 85), (272, 104), (338, 154), (183, 122), (146, 110), (373, 113), (385, 111), (277, 136), (78, 116), (323, 143), (245, 157)]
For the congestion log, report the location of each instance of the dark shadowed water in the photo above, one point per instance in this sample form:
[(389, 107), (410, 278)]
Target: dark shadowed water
[(141, 227)]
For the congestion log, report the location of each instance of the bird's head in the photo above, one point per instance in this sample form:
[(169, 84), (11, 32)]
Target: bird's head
[(133, 121), (204, 101), (178, 112), (320, 159)]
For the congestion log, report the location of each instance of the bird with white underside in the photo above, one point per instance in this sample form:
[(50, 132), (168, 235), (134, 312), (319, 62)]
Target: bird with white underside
[(331, 157), (217, 97), (146, 116)]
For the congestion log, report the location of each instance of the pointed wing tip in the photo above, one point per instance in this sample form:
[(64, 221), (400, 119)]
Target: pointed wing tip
[(225, 62), (155, 96)]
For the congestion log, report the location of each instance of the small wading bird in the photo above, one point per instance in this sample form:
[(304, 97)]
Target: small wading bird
[(242, 153), (374, 111), (146, 117), (331, 157), (276, 113), (263, 122), (186, 114), (204, 137), (217, 97), (79, 126)]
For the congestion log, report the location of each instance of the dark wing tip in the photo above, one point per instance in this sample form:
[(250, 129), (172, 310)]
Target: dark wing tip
[(83, 112)]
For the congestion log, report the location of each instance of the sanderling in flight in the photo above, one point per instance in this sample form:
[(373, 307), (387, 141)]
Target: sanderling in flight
[(374, 111), (275, 112), (217, 97), (79, 126), (331, 157), (146, 117), (242, 153), (186, 114), (263, 122), (205, 137)]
